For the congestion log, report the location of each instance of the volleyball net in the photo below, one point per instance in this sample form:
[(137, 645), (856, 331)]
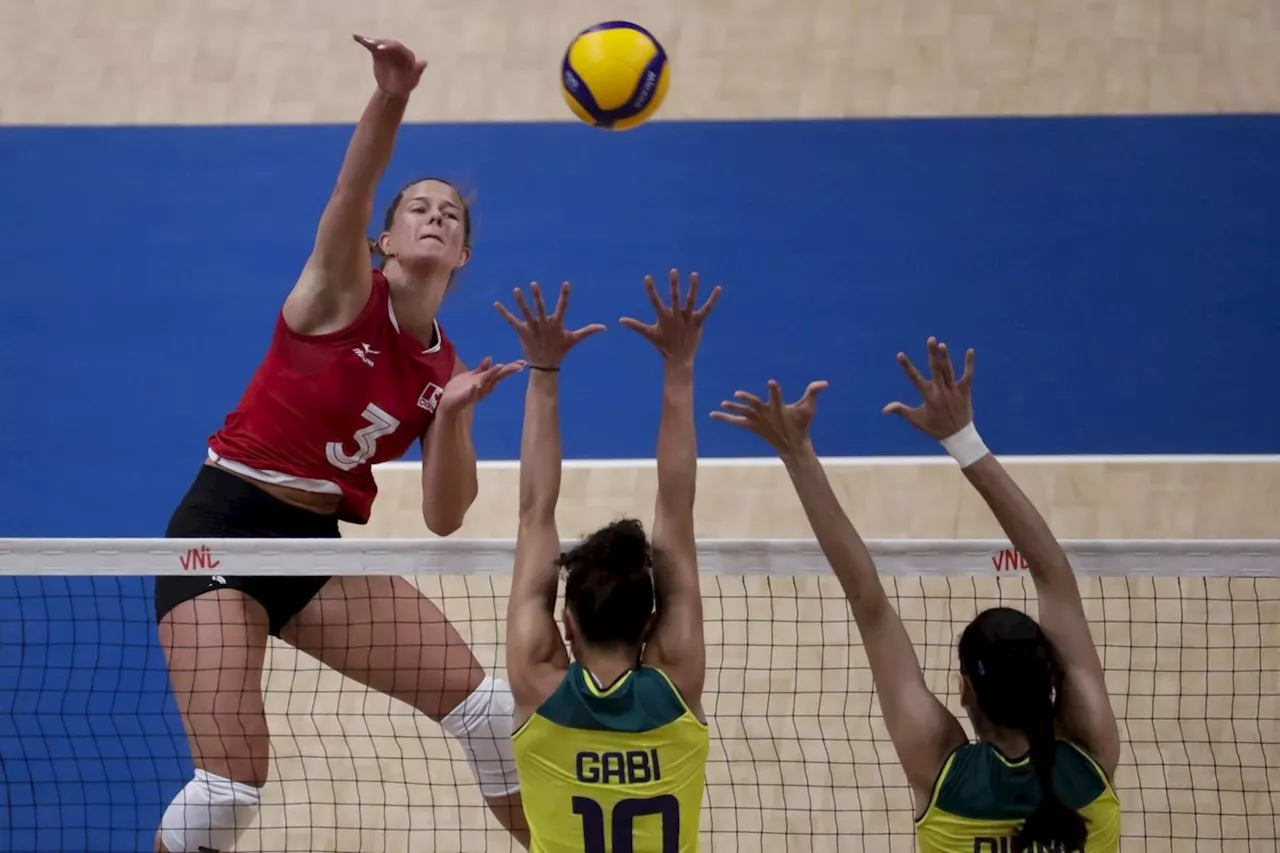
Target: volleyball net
[(92, 750)]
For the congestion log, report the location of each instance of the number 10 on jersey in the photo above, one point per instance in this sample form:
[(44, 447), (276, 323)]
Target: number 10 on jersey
[(666, 807)]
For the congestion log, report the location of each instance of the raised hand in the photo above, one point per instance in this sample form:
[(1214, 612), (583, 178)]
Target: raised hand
[(678, 329), (544, 338), (469, 388), (947, 407), (395, 67), (784, 426)]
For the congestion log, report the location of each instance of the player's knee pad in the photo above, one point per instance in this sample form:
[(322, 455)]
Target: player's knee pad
[(482, 725), (209, 814)]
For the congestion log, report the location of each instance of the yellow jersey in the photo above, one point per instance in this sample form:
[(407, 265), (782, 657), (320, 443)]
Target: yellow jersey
[(981, 798), (617, 769)]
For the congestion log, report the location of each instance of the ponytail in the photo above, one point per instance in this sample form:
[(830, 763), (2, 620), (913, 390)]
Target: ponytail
[(1052, 825), (1014, 675)]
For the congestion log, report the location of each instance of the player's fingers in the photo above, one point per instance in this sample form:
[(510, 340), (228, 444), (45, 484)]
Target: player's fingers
[(935, 362), (636, 326), (673, 279), (523, 305), (486, 380), (752, 399), (775, 394), (912, 374), (586, 331), (735, 408), (967, 378), (397, 53), (737, 420), (897, 408), (691, 298), (702, 312), (652, 290), (376, 46), (812, 391), (538, 302), (507, 315), (503, 371), (562, 303), (948, 369)]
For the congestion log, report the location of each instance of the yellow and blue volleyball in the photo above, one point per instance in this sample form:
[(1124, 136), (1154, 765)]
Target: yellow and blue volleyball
[(615, 75)]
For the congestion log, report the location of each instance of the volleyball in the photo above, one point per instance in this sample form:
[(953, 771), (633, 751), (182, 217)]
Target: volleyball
[(615, 75)]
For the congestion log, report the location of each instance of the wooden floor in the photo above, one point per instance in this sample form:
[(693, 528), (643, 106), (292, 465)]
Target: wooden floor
[(800, 759)]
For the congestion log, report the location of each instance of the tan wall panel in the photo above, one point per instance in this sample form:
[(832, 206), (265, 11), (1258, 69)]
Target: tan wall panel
[(193, 61), (1112, 499)]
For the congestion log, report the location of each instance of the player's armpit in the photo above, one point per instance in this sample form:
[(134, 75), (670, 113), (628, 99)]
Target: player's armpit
[(335, 282), (1085, 714), (536, 654), (1085, 717), (676, 643), (328, 297)]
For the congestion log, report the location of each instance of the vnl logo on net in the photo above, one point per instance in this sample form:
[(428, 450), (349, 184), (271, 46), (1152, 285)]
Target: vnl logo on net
[(1009, 560), (198, 558)]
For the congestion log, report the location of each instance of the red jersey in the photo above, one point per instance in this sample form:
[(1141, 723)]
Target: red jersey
[(322, 408)]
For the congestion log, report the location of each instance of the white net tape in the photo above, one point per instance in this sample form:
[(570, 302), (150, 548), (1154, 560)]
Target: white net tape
[(1170, 558)]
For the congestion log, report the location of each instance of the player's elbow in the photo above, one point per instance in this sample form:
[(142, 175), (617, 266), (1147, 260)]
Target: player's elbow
[(442, 522), (870, 606), (537, 508)]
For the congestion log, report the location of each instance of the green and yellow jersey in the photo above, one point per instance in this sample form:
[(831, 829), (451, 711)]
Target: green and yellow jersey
[(981, 798), (613, 769)]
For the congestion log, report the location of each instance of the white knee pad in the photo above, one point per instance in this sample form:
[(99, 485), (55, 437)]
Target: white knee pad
[(209, 814), (482, 725)]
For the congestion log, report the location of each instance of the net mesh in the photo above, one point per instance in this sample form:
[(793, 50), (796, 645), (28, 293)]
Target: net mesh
[(91, 748)]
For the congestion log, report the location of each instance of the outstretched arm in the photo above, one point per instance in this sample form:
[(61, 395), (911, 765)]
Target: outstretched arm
[(676, 643), (1085, 712), (536, 656), (923, 731), (335, 283)]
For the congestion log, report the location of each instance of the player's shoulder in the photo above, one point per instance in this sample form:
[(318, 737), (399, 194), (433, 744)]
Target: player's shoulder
[(376, 311), (641, 700), (978, 779)]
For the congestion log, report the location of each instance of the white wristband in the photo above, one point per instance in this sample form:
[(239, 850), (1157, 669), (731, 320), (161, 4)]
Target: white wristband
[(966, 446)]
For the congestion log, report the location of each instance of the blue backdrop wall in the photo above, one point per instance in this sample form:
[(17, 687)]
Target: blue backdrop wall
[(1118, 278)]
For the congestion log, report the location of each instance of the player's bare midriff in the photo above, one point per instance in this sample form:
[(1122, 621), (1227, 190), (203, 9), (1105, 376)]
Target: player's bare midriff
[(321, 504)]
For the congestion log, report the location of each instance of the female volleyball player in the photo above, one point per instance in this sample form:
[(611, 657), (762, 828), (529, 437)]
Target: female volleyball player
[(611, 747), (1038, 778), (357, 370)]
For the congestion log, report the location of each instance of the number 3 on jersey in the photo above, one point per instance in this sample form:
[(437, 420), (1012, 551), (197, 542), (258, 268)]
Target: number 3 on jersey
[(665, 807), (380, 424)]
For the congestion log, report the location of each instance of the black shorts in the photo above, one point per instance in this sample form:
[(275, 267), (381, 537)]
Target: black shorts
[(220, 505)]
